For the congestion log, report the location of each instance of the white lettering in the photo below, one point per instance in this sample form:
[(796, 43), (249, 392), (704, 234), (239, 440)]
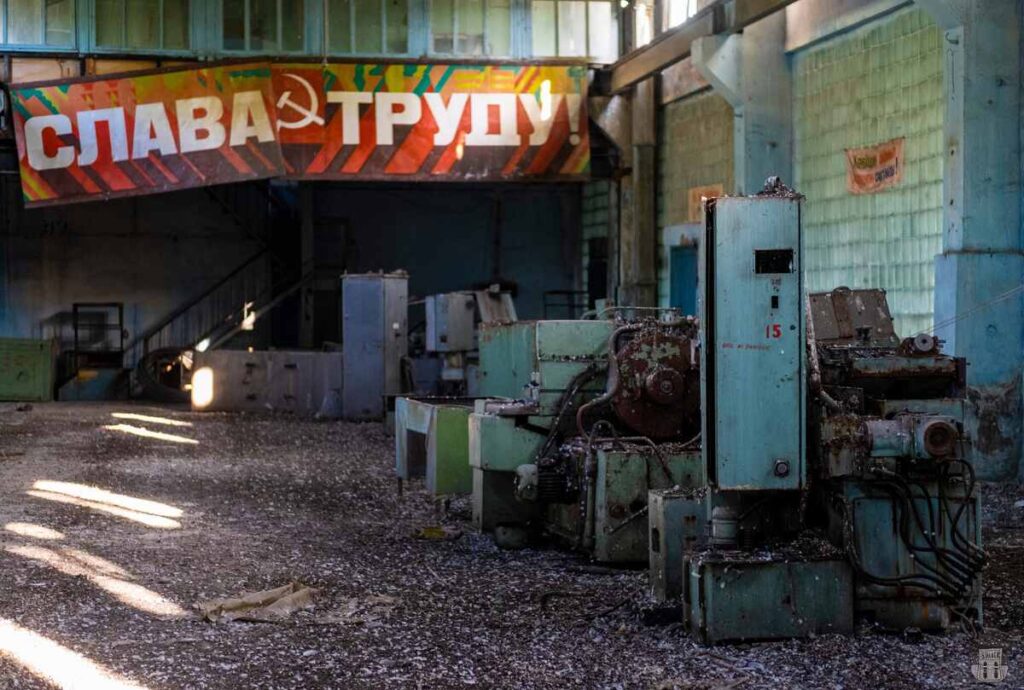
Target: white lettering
[(249, 118), (35, 147), (387, 116), (480, 134), (535, 112), (90, 151), (152, 131), (191, 125), (350, 101), (447, 117)]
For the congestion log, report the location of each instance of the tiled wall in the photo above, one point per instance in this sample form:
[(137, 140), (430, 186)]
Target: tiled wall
[(866, 87), (595, 220), (695, 149)]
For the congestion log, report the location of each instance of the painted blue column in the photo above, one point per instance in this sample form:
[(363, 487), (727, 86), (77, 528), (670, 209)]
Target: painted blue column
[(978, 313), (751, 71)]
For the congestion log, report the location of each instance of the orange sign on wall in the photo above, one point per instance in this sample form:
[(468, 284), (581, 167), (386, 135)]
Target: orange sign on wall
[(874, 168)]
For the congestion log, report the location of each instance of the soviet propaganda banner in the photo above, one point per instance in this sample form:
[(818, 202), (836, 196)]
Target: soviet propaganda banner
[(100, 138), (144, 133)]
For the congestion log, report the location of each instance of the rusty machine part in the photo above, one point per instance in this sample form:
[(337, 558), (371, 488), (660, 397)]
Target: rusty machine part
[(657, 391), (920, 345)]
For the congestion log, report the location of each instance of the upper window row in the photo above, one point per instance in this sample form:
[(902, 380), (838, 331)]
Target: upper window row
[(486, 28)]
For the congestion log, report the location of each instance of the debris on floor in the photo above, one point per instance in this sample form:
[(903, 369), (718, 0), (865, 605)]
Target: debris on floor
[(269, 606), (264, 500), (364, 610), (438, 533)]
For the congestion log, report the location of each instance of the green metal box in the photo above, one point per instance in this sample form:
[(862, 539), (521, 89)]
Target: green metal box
[(432, 441), (732, 600), (26, 369), (556, 351), (677, 519), (624, 480), (494, 501), (498, 444)]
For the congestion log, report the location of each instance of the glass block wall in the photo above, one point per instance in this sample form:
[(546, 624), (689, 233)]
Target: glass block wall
[(877, 83), (695, 149)]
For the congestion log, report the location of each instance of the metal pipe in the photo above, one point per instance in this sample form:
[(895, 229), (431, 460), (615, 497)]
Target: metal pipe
[(612, 384)]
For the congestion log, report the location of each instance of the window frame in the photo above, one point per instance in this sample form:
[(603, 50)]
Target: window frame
[(615, 6), (7, 47), (307, 19), (513, 15), (206, 34), (353, 30), (195, 10)]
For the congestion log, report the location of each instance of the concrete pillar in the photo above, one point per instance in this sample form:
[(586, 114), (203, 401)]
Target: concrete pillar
[(751, 71), (638, 286), (981, 260)]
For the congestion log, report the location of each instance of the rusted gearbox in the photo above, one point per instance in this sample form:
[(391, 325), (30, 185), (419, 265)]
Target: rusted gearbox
[(655, 386)]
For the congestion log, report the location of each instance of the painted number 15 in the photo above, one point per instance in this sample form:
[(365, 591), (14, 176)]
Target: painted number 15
[(773, 330)]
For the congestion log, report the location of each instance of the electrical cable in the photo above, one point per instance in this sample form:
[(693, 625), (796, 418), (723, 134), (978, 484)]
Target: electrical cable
[(574, 388), (976, 308), (929, 584), (958, 584), (941, 554)]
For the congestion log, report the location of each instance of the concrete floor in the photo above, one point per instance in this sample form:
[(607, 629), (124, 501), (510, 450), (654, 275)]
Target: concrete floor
[(98, 589)]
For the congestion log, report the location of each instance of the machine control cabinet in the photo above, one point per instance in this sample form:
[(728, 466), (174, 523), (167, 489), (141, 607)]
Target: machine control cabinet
[(753, 355), (374, 317)]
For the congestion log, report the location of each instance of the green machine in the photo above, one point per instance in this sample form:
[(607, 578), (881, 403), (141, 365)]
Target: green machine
[(583, 418), (838, 482)]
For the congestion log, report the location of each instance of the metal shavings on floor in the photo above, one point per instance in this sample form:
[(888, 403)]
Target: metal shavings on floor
[(102, 566)]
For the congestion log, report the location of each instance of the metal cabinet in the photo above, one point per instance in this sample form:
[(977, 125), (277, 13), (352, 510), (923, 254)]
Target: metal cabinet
[(374, 317)]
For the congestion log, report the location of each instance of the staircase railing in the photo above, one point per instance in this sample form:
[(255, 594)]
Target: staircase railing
[(204, 313)]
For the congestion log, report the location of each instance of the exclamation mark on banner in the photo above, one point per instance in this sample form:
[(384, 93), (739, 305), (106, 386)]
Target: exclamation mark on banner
[(573, 101)]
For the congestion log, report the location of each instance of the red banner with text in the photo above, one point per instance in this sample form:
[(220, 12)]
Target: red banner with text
[(143, 133)]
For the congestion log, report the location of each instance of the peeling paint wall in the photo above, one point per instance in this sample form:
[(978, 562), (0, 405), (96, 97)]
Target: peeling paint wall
[(874, 84), (695, 148)]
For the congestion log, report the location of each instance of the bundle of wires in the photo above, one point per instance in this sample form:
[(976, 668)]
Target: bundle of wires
[(950, 571)]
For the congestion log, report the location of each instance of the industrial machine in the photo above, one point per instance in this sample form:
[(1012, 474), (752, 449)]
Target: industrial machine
[(444, 361), (431, 418), (837, 481), (787, 464), (586, 417), (897, 489)]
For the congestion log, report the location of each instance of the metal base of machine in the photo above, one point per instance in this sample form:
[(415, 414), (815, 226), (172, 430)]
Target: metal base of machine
[(734, 598), (676, 520)]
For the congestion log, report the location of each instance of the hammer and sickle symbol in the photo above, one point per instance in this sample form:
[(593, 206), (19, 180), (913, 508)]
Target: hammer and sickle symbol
[(308, 113)]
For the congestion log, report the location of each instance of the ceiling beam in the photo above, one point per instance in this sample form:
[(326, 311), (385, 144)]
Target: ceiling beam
[(720, 17)]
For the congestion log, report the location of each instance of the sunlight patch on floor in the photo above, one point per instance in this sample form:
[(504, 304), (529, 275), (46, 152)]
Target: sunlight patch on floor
[(94, 494), (146, 519), (56, 664), (33, 531), (104, 575), (166, 421), (146, 433)]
